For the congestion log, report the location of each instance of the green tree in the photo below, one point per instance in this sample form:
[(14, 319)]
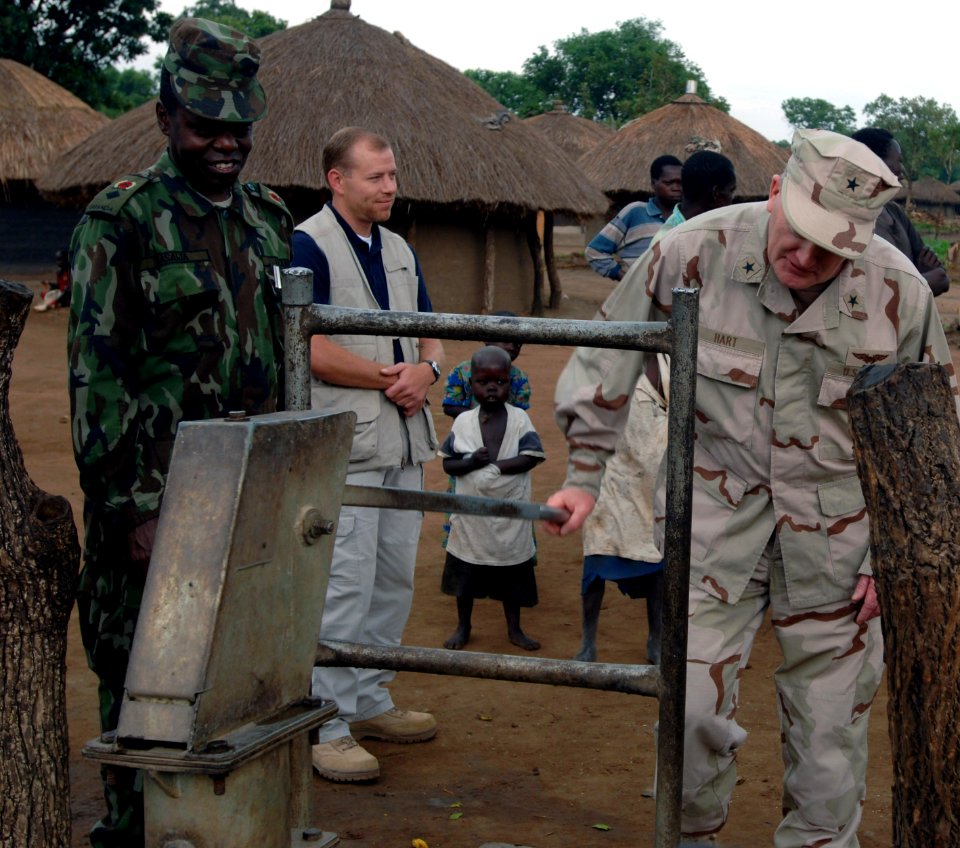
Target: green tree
[(511, 90), (73, 42), (255, 23), (612, 76), (125, 90), (803, 113), (928, 133)]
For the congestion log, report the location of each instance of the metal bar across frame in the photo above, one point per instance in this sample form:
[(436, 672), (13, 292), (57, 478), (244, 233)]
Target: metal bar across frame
[(678, 337)]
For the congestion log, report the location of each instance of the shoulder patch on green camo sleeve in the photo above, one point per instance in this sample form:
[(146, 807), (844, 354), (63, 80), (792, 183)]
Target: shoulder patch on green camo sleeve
[(270, 196), (111, 200)]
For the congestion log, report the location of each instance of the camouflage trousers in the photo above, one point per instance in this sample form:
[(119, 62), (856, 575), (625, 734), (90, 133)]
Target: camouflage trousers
[(108, 602), (830, 672)]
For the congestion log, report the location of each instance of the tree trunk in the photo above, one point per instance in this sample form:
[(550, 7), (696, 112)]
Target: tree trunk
[(39, 554), (906, 440), (556, 287), (533, 242)]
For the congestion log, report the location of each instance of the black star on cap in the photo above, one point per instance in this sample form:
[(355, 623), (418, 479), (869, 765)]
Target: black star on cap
[(852, 184)]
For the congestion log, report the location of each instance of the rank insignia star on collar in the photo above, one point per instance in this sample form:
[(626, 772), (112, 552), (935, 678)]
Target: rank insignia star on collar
[(854, 304), (853, 185), (749, 268)]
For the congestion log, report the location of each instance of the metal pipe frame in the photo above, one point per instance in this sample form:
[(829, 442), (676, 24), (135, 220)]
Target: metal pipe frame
[(678, 337), (385, 497), (611, 677)]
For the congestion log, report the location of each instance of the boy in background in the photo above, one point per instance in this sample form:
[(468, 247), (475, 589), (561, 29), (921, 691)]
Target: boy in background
[(458, 395)]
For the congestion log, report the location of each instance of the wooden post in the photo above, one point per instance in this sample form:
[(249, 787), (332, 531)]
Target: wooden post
[(556, 287), (536, 256), (906, 441), (488, 291), (39, 554)]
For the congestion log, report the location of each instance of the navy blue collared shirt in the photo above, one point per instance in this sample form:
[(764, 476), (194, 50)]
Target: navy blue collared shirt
[(307, 254)]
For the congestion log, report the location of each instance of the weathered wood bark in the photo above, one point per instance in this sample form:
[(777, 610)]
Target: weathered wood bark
[(536, 255), (489, 271), (39, 554), (907, 447), (556, 287)]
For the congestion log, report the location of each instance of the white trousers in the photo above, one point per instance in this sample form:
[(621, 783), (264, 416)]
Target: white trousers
[(369, 596)]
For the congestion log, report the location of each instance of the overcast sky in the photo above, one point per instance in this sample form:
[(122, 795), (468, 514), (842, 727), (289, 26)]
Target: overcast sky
[(755, 54)]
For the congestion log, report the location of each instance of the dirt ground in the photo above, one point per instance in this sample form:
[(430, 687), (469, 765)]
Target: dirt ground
[(516, 763)]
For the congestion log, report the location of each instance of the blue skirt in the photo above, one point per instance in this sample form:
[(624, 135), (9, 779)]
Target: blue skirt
[(633, 577)]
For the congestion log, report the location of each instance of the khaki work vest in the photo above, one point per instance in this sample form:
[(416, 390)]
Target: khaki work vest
[(377, 439)]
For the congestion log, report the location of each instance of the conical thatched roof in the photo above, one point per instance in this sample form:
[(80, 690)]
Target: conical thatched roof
[(929, 190), (572, 134), (39, 120), (621, 164), (454, 143)]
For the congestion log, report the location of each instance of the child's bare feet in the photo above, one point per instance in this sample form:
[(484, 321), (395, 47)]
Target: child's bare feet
[(458, 639), (587, 653), (521, 640)]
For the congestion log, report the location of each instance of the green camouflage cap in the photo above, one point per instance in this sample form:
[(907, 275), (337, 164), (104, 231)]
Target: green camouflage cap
[(213, 69), (833, 189)]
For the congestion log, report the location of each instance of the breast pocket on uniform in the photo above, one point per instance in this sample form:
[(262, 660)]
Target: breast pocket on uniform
[(184, 296), (728, 370), (833, 421)]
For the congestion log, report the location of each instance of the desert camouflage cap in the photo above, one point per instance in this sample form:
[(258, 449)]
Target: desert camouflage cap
[(833, 189), (213, 69)]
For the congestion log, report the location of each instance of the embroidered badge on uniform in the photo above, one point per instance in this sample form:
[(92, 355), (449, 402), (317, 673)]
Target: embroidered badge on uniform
[(123, 185), (853, 305)]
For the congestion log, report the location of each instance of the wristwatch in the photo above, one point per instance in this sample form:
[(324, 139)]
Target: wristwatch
[(435, 368)]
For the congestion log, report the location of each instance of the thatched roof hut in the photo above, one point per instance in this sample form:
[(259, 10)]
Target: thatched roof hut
[(39, 120), (930, 192), (621, 164), (454, 143), (572, 134), (471, 176)]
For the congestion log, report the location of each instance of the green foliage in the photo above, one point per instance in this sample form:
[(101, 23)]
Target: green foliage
[(940, 247), (511, 90), (256, 24), (73, 42), (928, 133), (125, 90), (804, 113), (611, 76)]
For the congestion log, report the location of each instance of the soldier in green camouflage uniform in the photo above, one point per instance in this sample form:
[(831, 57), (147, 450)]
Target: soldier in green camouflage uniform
[(174, 318), (795, 296)]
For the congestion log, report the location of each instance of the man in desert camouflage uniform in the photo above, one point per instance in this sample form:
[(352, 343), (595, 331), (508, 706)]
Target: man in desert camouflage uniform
[(795, 296), (174, 318)]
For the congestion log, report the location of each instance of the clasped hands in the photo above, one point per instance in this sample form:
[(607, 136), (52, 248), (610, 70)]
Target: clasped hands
[(410, 385)]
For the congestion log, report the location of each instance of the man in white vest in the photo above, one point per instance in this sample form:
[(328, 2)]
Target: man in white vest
[(358, 263)]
